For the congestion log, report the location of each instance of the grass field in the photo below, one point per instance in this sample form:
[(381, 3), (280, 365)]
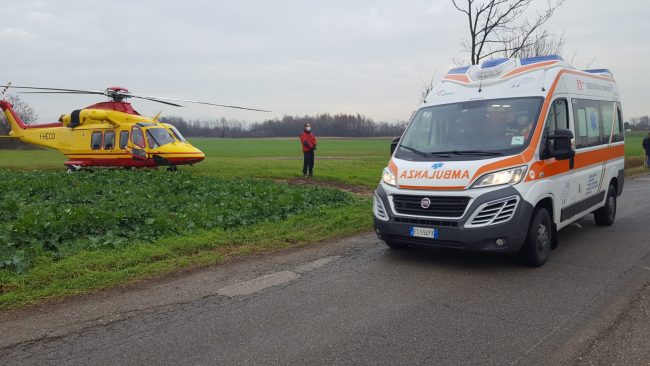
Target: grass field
[(84, 266), (352, 161), (633, 143)]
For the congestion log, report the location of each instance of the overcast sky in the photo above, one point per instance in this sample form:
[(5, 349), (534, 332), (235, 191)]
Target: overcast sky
[(291, 56)]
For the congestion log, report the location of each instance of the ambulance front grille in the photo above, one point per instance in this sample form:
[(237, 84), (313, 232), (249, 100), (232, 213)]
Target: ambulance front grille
[(438, 206), (495, 212)]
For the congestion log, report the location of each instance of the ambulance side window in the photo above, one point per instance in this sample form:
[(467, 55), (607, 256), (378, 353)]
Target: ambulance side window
[(607, 109), (124, 139), (618, 134), (558, 117), (96, 140), (109, 140), (589, 123)]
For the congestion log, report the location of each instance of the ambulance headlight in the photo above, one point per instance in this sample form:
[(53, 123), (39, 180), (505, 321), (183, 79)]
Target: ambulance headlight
[(508, 176), (389, 178)]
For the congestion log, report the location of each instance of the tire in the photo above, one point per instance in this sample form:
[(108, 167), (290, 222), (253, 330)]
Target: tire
[(538, 242), (606, 215)]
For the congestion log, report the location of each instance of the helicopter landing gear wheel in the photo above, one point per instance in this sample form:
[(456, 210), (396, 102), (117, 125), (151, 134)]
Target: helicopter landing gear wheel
[(73, 168), (172, 168)]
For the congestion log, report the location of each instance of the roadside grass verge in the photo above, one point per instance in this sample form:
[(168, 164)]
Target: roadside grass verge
[(88, 270)]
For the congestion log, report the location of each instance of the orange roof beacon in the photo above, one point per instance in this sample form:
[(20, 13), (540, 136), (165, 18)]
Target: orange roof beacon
[(108, 134), (502, 155)]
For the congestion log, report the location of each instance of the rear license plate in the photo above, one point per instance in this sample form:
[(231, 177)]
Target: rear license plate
[(423, 232)]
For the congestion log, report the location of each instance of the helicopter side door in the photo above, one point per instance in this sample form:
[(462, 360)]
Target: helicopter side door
[(139, 147)]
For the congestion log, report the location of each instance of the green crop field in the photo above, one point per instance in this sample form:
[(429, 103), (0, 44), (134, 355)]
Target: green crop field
[(65, 234), (633, 143)]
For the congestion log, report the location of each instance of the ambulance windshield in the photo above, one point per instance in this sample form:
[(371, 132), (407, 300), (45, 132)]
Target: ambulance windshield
[(477, 129)]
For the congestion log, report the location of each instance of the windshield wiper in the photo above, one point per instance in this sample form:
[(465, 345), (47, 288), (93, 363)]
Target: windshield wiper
[(415, 150), (470, 152)]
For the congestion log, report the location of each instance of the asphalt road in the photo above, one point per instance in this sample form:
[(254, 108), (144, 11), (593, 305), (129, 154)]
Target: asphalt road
[(355, 301)]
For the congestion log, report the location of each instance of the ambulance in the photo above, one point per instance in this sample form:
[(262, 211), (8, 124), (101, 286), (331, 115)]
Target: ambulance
[(500, 156)]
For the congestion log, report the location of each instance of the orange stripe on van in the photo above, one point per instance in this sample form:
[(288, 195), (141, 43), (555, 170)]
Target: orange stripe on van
[(392, 167), (528, 154), (443, 188), (499, 165), (460, 77), (530, 67), (551, 167)]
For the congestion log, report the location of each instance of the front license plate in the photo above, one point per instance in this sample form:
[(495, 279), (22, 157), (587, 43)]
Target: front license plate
[(423, 232)]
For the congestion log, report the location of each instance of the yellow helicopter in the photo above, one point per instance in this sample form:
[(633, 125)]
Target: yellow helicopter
[(108, 134)]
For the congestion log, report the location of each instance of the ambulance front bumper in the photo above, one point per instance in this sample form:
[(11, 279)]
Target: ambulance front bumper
[(473, 231)]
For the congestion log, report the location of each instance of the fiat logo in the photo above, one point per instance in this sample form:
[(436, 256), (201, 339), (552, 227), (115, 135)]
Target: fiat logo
[(425, 203)]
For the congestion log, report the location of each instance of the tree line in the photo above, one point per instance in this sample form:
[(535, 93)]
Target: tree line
[(337, 125), (638, 124)]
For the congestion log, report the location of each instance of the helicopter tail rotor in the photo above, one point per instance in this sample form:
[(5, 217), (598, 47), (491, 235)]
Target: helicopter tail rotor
[(4, 90)]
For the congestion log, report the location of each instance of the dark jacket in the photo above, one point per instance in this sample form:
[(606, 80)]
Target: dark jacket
[(646, 145)]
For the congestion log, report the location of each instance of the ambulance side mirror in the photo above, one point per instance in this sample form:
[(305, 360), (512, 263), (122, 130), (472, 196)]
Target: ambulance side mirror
[(562, 148), (393, 144)]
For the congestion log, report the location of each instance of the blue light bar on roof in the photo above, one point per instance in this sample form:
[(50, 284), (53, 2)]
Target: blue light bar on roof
[(598, 71), (492, 63), (459, 70), (533, 60)]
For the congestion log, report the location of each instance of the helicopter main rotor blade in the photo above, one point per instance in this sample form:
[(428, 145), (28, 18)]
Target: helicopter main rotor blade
[(53, 89), (192, 101), (62, 92), (154, 100), (124, 94), (98, 93)]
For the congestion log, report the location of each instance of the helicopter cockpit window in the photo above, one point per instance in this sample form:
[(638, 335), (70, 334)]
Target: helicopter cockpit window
[(157, 137), (137, 137), (96, 140), (124, 139), (177, 133), (109, 140)]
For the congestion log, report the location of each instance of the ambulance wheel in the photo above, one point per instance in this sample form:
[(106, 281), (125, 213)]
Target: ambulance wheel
[(605, 215), (537, 246)]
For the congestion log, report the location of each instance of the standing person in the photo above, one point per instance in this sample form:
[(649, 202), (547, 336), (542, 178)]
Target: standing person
[(308, 142), (646, 147)]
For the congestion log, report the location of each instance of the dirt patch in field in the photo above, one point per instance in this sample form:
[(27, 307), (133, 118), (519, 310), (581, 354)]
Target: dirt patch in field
[(352, 188), (325, 157)]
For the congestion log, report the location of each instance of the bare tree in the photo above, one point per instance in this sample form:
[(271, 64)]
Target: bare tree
[(23, 110), (501, 27), (540, 44), (428, 86)]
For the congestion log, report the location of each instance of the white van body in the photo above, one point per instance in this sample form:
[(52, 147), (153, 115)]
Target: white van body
[(493, 145)]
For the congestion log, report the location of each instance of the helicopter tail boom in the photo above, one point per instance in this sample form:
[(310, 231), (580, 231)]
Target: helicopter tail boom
[(15, 122)]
